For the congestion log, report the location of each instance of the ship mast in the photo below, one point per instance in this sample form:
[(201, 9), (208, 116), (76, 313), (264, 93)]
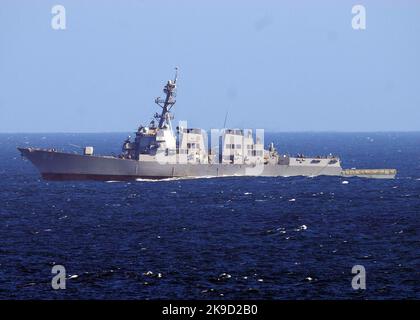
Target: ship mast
[(169, 101)]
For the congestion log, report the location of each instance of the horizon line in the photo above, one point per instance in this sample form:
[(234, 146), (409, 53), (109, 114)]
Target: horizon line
[(267, 131)]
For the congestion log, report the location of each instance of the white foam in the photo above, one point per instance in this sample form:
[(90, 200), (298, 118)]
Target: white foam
[(345, 182), (174, 179), (302, 227)]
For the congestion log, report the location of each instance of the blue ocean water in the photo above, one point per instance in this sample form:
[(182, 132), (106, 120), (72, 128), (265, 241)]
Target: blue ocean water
[(225, 238)]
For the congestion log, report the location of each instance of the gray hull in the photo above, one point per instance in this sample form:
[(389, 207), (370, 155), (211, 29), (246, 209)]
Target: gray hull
[(67, 166)]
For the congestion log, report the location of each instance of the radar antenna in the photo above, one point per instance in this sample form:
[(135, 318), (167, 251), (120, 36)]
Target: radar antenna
[(169, 101), (176, 74)]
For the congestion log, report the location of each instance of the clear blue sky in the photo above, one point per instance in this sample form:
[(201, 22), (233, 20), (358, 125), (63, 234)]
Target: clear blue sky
[(278, 65)]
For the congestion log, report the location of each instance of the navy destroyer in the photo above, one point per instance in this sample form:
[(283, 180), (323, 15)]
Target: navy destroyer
[(157, 152)]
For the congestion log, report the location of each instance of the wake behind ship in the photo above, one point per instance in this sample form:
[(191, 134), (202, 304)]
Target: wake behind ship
[(157, 153)]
